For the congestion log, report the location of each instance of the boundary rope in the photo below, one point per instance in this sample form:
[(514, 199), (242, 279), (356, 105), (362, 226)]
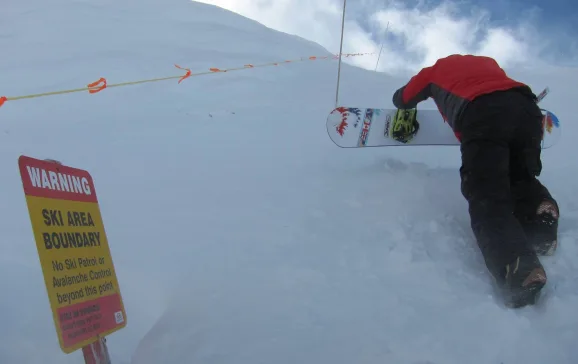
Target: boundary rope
[(102, 83)]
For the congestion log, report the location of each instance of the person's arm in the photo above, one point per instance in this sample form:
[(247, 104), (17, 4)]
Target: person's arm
[(415, 91)]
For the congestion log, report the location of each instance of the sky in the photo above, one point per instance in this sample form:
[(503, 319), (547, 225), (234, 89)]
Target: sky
[(414, 34)]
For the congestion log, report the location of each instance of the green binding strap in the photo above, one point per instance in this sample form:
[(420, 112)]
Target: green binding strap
[(405, 125)]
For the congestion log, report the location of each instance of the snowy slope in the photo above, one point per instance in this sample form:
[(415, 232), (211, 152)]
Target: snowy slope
[(240, 233)]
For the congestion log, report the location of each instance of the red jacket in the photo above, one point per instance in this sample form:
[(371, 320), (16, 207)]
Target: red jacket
[(453, 82)]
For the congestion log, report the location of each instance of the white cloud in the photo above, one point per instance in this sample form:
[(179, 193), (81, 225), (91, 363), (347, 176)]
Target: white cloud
[(416, 37)]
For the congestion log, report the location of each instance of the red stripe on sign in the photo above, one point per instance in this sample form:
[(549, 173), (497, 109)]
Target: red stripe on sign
[(85, 320), (48, 179)]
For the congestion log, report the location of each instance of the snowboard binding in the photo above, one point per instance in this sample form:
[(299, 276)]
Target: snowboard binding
[(405, 125)]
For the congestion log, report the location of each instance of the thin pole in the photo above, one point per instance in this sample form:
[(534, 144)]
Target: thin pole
[(340, 51), (386, 28)]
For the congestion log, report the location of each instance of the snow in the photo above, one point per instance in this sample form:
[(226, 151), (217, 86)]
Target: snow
[(240, 233)]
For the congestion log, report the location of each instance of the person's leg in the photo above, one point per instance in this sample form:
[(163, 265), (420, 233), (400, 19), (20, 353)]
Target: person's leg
[(486, 187), (537, 211), (487, 129), (535, 207)]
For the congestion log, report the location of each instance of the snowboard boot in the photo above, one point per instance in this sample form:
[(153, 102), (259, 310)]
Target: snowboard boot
[(542, 229), (522, 281)]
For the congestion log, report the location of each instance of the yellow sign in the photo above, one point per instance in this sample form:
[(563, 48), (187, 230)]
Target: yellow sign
[(74, 254)]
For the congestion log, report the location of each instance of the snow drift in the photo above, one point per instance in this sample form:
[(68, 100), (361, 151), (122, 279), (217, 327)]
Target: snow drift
[(239, 232)]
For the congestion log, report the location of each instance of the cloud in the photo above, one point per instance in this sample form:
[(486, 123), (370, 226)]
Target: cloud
[(415, 37)]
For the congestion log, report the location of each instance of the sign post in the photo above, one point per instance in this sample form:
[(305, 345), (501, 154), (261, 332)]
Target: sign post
[(73, 250), (96, 353)]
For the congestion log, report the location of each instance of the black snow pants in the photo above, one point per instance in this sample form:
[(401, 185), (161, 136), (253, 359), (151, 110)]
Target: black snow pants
[(500, 144)]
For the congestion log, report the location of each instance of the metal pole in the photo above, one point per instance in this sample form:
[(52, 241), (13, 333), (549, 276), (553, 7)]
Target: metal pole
[(340, 51), (386, 28)]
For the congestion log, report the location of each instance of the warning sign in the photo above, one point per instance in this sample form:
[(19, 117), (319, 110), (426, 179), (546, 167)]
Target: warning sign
[(74, 254)]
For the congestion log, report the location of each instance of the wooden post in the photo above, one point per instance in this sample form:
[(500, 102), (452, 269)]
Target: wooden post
[(96, 353)]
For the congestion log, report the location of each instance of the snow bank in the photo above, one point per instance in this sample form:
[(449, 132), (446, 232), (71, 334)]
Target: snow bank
[(239, 232)]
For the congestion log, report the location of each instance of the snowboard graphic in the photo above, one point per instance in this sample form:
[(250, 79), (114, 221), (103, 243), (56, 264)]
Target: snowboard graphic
[(351, 127), (356, 127)]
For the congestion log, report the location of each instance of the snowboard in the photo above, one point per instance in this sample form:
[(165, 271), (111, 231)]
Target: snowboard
[(357, 127)]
